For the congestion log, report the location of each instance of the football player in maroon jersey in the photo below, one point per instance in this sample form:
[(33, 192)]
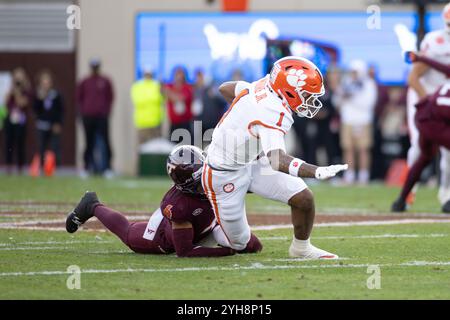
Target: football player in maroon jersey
[(185, 217), (433, 121)]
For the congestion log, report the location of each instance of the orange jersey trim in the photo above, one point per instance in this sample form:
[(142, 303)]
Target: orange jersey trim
[(213, 195), (259, 122), (236, 99)]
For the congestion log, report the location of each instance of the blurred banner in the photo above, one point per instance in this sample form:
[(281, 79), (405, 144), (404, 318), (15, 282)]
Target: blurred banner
[(221, 43)]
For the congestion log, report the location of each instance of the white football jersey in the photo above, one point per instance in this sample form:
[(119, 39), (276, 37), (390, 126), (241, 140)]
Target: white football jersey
[(235, 142), (435, 45)]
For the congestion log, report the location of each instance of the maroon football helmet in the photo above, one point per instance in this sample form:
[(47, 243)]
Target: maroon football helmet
[(184, 166)]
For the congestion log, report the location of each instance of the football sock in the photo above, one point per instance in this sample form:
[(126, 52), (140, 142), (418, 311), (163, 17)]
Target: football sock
[(113, 221), (301, 244)]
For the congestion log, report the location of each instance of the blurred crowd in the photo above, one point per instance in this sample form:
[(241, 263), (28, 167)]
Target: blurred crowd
[(362, 122), (22, 101)]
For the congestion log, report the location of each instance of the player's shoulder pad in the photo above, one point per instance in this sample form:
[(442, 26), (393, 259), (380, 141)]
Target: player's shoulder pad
[(175, 205)]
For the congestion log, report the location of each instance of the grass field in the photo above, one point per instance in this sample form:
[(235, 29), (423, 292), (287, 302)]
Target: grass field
[(413, 259)]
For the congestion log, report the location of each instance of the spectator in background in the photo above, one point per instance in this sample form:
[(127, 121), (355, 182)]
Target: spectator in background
[(382, 100), (209, 105), (147, 100), (94, 99), (356, 100), (323, 121), (48, 107), (17, 102), (179, 102)]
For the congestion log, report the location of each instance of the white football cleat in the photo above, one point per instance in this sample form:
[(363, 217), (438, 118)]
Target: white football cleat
[(311, 253)]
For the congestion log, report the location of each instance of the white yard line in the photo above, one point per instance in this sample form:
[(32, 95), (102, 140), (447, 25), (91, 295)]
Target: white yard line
[(254, 266), (56, 221), (33, 248), (8, 244), (356, 223), (31, 245), (29, 225), (373, 236), (44, 228)]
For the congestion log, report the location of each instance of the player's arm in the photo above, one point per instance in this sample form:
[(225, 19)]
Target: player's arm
[(183, 236), (230, 89), (272, 142), (418, 69), (417, 57), (283, 162)]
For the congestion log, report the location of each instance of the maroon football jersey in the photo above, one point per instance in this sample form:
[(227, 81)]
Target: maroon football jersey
[(196, 209), (435, 107)]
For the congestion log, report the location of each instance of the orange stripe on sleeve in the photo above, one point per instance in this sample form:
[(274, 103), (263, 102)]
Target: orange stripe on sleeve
[(259, 122), (236, 99)]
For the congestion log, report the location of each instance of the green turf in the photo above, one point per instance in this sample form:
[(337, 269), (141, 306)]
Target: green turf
[(267, 275), (262, 280), (148, 193)]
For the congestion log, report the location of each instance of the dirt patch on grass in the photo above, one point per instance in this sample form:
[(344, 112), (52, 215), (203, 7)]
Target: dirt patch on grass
[(30, 219)]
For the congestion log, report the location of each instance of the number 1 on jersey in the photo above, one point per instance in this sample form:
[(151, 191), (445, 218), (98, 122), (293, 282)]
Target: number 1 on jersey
[(280, 120)]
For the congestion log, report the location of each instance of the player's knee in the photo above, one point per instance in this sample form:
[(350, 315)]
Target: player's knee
[(303, 200), (240, 242)]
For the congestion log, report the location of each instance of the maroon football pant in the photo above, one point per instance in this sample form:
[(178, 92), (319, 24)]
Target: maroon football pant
[(130, 233), (433, 134)]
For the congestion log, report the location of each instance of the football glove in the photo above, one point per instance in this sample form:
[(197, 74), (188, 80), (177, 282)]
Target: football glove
[(323, 173)]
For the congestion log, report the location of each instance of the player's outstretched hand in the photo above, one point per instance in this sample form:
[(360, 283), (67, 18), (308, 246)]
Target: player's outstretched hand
[(323, 173)]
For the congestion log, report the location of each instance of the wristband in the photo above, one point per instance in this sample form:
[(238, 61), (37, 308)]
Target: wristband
[(294, 167)]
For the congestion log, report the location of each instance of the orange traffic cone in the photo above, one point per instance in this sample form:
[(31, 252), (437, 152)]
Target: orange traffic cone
[(35, 167), (49, 163)]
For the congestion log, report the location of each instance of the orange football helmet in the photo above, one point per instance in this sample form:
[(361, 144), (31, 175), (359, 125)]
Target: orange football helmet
[(299, 83)]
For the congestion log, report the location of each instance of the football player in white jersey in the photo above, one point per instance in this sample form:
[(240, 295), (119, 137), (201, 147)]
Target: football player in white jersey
[(247, 153), (423, 81)]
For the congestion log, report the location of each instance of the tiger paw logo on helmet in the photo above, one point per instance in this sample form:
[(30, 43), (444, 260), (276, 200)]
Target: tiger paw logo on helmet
[(296, 78)]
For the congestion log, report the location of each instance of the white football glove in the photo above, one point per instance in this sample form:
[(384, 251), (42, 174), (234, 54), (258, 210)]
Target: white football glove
[(323, 173)]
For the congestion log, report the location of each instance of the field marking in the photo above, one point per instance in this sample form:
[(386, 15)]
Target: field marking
[(32, 248), (56, 221), (254, 266), (356, 223), (14, 246), (28, 225), (46, 228), (374, 236), (8, 244)]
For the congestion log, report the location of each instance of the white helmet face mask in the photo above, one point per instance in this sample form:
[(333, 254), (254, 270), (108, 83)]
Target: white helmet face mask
[(310, 103)]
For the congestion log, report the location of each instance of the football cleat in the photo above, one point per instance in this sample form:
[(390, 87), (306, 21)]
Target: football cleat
[(82, 212), (312, 253), (398, 206), (446, 207)]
